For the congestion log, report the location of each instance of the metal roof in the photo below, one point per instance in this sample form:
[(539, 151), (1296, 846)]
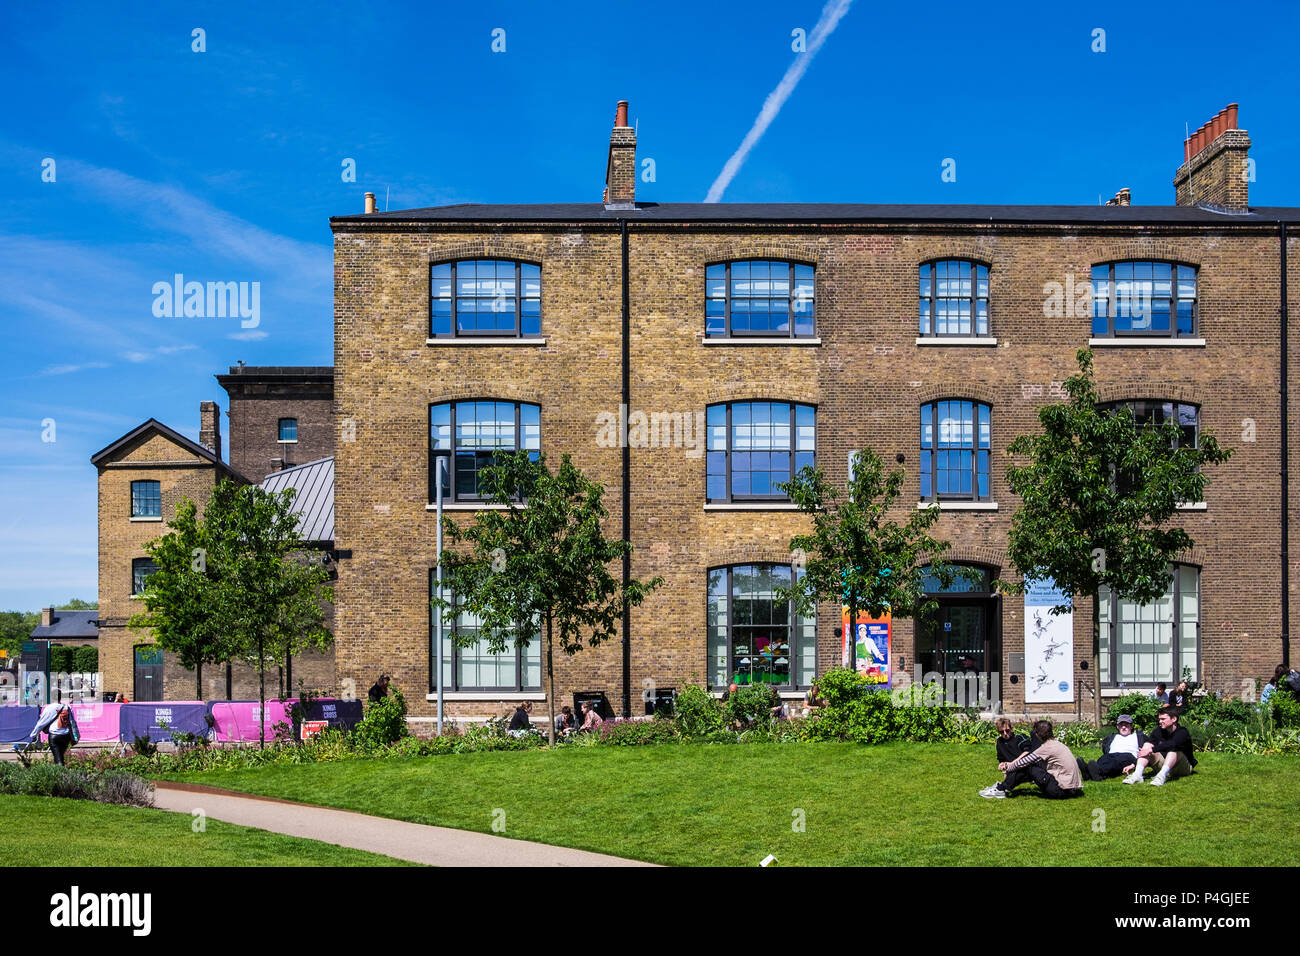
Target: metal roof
[(69, 624), (314, 501), (828, 213)]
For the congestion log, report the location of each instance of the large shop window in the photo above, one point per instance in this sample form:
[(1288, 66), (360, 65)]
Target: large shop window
[(1144, 298), (956, 443), (469, 435), (496, 297), (753, 447), (954, 298), (758, 297), (476, 668), (1156, 642), (754, 638)]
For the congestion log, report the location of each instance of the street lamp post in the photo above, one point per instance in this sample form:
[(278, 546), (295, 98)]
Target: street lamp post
[(438, 626)]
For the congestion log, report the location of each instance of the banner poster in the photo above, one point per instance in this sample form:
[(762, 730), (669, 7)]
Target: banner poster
[(872, 635), (1049, 644)]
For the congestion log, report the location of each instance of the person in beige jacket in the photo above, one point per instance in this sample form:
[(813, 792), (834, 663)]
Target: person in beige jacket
[(1050, 765)]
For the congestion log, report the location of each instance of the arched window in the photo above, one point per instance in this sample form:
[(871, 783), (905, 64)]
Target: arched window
[(469, 436), (753, 637), (758, 297), (752, 447), (1143, 298), (485, 297), (954, 298), (1157, 642), (956, 444)]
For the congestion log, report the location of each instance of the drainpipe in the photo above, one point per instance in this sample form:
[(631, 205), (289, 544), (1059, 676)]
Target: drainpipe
[(627, 485), (1286, 478)]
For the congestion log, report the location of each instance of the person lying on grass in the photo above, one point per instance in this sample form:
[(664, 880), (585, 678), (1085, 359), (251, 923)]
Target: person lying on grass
[(1169, 750), (1050, 765), (1119, 752)]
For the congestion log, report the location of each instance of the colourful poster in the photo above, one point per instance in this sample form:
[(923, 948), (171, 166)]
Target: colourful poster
[(872, 636)]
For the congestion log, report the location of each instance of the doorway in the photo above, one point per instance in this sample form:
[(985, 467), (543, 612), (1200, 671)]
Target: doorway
[(148, 673)]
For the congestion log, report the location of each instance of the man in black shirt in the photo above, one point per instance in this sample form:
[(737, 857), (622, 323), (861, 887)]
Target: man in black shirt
[(379, 688), (1169, 750), (1010, 744)]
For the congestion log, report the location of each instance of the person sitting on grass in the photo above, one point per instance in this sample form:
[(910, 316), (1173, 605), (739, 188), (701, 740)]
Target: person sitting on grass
[(1011, 744), (1161, 694), (1050, 765), (564, 721), (520, 723), (1169, 750), (1119, 752), (591, 719)]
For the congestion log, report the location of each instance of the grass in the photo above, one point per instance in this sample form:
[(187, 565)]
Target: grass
[(50, 831), (895, 805)]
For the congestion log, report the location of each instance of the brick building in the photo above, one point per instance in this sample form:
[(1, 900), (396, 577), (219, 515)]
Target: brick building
[(281, 436), (757, 338)]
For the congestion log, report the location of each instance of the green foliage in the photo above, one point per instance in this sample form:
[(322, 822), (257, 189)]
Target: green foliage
[(384, 722), (852, 710), (185, 740), (76, 783), (855, 553), (1095, 492), (61, 658), (85, 660), (636, 733), (697, 713), (236, 584), (16, 627), (751, 705), (144, 746), (1141, 707), (1285, 708), (1078, 735), (540, 571)]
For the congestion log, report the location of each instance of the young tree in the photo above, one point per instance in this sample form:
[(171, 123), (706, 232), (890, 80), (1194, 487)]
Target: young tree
[(181, 597), (239, 582), (1096, 490), (856, 554), (540, 568)]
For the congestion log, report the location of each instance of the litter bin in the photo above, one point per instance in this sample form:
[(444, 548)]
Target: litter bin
[(598, 698)]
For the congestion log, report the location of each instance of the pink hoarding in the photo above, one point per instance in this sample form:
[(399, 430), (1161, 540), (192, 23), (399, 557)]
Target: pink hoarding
[(97, 720), (237, 719)]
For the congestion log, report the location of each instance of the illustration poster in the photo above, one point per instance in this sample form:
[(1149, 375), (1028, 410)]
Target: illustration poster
[(873, 634), (1049, 645)]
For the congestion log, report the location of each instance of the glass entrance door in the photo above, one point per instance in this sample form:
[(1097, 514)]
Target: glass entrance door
[(956, 638)]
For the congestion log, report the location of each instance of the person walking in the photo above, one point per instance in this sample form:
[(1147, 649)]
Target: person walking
[(60, 723)]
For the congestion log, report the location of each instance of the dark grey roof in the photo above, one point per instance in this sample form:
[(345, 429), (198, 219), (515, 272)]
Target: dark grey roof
[(314, 501), (155, 425), (826, 213), (69, 624)]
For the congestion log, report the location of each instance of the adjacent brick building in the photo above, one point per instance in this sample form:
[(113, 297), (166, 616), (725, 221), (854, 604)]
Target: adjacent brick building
[(465, 328)]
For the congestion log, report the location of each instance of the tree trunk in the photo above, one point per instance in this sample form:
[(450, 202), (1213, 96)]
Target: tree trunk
[(198, 680), (851, 630), (550, 680), (261, 694), (1096, 667)]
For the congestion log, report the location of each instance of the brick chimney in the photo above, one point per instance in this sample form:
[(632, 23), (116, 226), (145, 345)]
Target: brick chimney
[(1122, 198), (1214, 170), (620, 169), (210, 427), (47, 617)]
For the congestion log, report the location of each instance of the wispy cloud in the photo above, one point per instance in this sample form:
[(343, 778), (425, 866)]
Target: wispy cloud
[(255, 335), (832, 13), (69, 369)]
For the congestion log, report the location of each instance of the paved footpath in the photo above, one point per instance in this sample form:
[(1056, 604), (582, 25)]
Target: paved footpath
[(436, 846)]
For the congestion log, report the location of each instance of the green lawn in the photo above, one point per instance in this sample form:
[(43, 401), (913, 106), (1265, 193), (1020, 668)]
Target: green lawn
[(51, 831), (899, 804)]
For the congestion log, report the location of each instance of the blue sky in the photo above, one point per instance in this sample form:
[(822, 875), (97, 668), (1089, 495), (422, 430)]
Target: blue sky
[(225, 165)]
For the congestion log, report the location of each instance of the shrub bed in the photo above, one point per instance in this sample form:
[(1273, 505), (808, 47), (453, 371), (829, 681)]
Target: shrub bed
[(76, 783)]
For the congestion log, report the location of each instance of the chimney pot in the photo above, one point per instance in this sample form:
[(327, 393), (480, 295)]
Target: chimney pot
[(1213, 176), (620, 115), (370, 203), (620, 167), (1231, 110)]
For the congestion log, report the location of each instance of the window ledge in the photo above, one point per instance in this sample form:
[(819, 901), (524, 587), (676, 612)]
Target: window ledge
[(468, 506), (136, 597), (958, 505), (286, 441), (149, 518), (1191, 506), (750, 506), (1146, 341), (488, 340), (760, 340), (504, 696), (956, 340)]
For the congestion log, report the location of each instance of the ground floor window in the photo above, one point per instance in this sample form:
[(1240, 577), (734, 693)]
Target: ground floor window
[(754, 638), (1156, 642), (475, 667)]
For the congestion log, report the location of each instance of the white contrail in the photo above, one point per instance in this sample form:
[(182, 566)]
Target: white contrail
[(830, 19)]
